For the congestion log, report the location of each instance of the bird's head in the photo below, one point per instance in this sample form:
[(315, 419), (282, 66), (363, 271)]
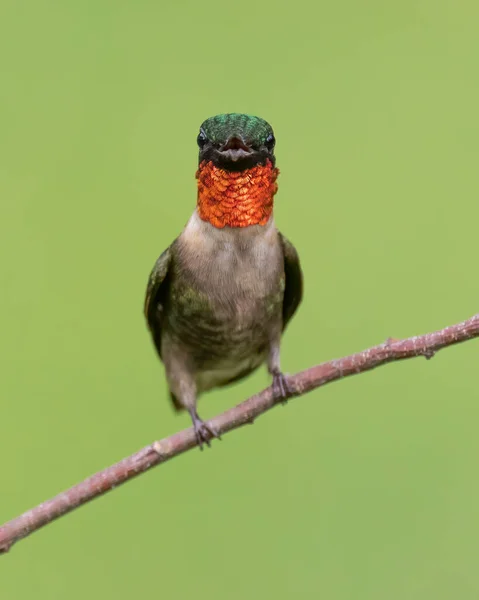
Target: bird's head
[(236, 173), (236, 142)]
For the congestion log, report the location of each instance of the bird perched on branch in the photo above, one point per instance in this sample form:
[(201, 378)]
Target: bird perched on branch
[(219, 298)]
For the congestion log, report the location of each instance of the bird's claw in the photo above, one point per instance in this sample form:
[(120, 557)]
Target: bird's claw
[(281, 387), (204, 433)]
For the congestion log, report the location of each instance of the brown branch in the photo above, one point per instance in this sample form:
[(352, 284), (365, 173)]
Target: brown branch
[(159, 452)]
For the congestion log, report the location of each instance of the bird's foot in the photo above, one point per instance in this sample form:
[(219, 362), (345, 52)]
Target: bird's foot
[(204, 432), (281, 387)]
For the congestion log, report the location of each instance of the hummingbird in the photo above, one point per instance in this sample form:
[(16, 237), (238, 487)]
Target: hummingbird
[(220, 296)]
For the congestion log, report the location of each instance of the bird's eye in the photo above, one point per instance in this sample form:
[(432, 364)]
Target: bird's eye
[(270, 141), (202, 139)]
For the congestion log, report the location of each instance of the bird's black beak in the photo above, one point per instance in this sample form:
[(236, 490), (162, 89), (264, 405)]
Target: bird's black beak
[(235, 149)]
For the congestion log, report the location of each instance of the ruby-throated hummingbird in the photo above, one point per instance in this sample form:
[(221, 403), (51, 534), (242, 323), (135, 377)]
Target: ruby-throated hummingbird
[(219, 298)]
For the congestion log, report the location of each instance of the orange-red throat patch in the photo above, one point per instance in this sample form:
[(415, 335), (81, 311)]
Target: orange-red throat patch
[(236, 199)]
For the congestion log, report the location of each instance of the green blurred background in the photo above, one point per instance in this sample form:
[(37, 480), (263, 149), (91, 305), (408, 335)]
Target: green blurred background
[(366, 489)]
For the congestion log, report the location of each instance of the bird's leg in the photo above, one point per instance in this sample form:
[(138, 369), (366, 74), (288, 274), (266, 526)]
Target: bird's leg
[(281, 388), (181, 380)]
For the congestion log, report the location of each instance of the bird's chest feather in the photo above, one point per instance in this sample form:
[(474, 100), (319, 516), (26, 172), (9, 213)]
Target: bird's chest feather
[(227, 286)]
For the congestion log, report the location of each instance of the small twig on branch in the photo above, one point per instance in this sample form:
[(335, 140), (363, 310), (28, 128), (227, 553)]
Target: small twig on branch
[(161, 451)]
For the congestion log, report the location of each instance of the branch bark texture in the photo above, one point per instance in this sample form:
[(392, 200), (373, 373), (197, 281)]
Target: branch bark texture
[(160, 451)]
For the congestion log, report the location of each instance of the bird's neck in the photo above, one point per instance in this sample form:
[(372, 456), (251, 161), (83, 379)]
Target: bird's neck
[(236, 199)]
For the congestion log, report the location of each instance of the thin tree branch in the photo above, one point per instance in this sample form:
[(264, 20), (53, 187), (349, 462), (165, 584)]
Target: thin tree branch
[(161, 451)]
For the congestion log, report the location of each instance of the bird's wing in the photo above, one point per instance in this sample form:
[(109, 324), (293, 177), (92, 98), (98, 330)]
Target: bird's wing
[(156, 293), (293, 289)]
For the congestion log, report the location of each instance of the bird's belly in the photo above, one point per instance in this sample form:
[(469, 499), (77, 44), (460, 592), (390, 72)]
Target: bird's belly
[(227, 371), (222, 339)]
